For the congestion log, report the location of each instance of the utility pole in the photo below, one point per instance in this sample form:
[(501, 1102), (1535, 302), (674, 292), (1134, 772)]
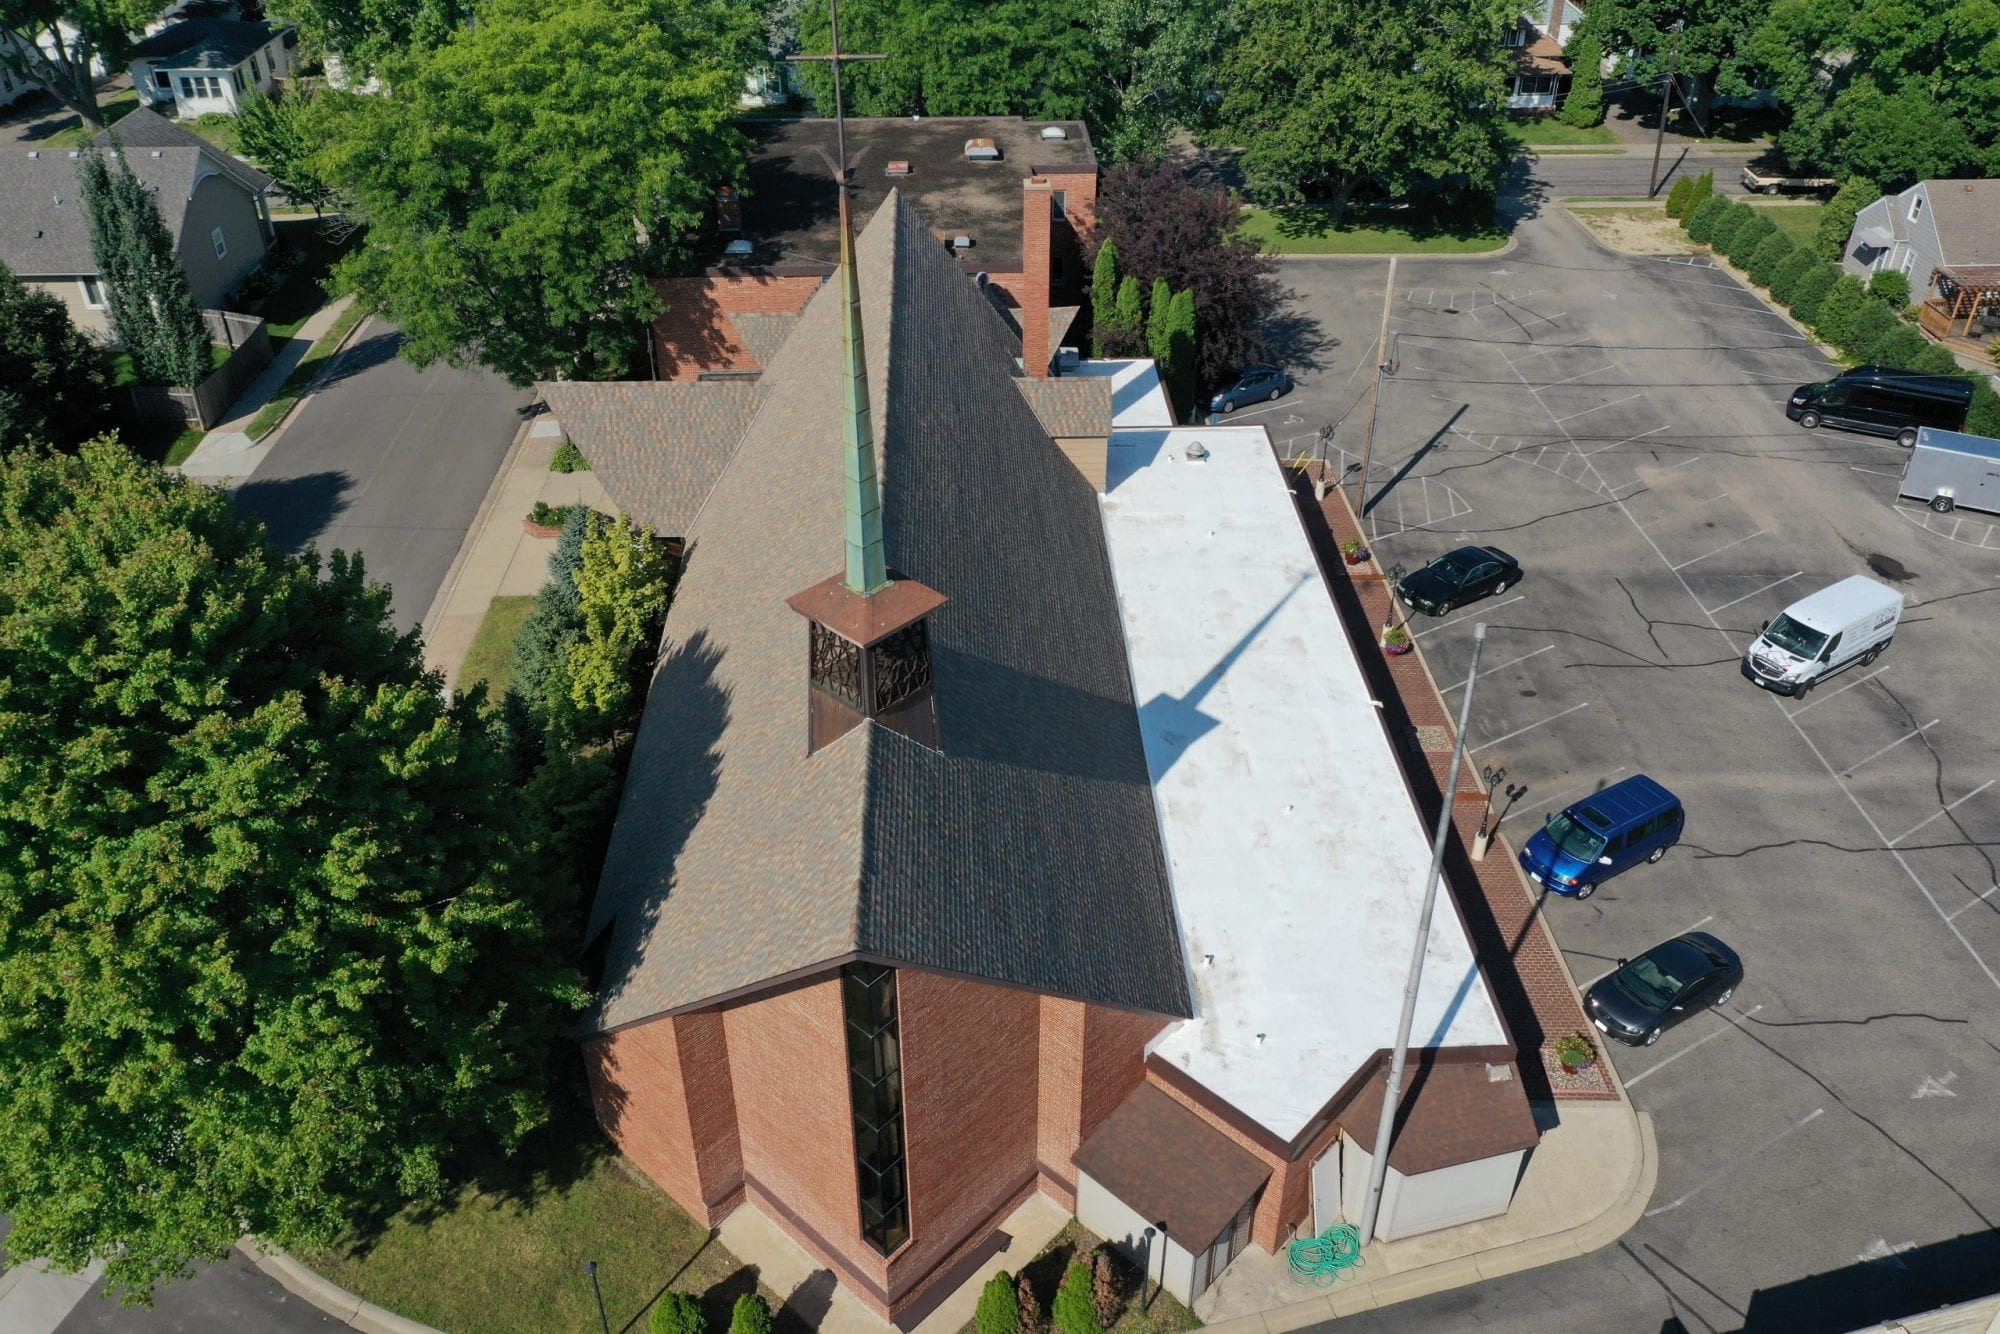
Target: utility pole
[(1381, 371), (1666, 99), (1378, 1167)]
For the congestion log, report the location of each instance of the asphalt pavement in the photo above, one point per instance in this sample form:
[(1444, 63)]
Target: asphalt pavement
[(389, 461), (1627, 173), (1616, 423)]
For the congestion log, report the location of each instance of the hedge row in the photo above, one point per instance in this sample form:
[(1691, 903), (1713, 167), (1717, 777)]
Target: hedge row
[(1862, 321)]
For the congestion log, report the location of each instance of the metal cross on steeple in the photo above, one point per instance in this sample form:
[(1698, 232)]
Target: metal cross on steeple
[(867, 566)]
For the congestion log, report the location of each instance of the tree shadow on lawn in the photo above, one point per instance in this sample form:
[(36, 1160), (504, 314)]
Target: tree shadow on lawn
[(1309, 222)]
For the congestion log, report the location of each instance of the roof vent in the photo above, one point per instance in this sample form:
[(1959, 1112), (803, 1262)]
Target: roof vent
[(38, 233), (33, 153), (1197, 452), (981, 150), (897, 167), (1068, 357), (1054, 133), (740, 248), (961, 242), (74, 153), (155, 153)]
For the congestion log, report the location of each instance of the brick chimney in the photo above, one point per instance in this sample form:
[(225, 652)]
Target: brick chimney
[(1037, 223)]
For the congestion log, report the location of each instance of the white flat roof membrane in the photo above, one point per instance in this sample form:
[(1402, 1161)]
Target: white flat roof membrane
[(1297, 856), (1137, 396)]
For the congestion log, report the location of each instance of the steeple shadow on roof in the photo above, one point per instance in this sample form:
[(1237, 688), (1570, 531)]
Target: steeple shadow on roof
[(1025, 849)]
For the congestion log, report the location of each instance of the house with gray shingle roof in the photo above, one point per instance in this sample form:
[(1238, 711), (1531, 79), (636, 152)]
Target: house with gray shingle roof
[(202, 65), (213, 204)]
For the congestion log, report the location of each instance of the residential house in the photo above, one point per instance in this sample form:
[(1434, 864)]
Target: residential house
[(986, 835), (204, 65), (213, 204), (1945, 234), (1537, 41), (969, 178)]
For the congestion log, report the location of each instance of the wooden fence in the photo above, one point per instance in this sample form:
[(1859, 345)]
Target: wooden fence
[(204, 405)]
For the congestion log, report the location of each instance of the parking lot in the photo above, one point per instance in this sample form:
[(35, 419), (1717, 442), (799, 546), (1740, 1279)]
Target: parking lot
[(1616, 424)]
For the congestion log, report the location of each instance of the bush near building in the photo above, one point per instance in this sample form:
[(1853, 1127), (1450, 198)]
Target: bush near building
[(1813, 285), (1785, 280), (1702, 217)]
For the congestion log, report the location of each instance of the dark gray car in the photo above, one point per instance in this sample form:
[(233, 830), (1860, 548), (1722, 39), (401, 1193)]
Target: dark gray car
[(1255, 385), (1644, 997)]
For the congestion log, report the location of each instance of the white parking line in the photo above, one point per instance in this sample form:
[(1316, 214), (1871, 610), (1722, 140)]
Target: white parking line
[(1793, 713), (1529, 728), (1873, 472), (1684, 462), (1848, 772), (1712, 499), (1607, 366), (1626, 441), (1599, 408), (1702, 923), (1754, 1155), (1940, 814), (1502, 667), (1706, 1037), (1446, 625), (1747, 596), (1974, 904), (1550, 801), (1718, 551)]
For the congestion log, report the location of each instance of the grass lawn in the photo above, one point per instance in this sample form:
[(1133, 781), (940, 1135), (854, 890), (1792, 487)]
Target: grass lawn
[(302, 374), (167, 442), (1800, 220), (78, 135), (1541, 131), (1165, 1314), (506, 1254), (218, 127), (1304, 232), (124, 373), (491, 657)]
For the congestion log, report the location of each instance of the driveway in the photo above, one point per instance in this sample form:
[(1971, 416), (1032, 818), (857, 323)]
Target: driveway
[(1616, 423), (389, 461)]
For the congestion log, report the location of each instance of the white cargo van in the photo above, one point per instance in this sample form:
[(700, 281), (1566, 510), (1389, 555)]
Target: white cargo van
[(1851, 621)]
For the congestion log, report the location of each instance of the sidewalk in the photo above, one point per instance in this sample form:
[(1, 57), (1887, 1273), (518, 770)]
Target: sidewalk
[(227, 453), (499, 558)]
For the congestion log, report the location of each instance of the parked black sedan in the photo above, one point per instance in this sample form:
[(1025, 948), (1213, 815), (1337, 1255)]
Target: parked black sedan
[(1254, 385), (1459, 577), (1643, 997)]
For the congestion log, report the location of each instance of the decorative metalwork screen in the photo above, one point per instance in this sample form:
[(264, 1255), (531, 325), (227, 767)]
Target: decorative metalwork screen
[(834, 665), (875, 1079), (902, 665)]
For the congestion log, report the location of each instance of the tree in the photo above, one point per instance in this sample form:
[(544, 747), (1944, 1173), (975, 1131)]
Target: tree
[(1811, 291), (1837, 313), (999, 1310), (1933, 360), (677, 1313), (1126, 337), (1891, 287), (1160, 58), (1328, 95), (1169, 227), (1677, 198), (1707, 40), (152, 309), (1837, 222), (276, 134), (1733, 217), (1701, 219), (1103, 294), (1785, 280), (751, 1315), (273, 935), (1034, 58), (1584, 106), (1984, 418), (1901, 345), (1869, 329), (1156, 319), (53, 387), (1075, 1312), (621, 587), (1753, 232), (369, 34), (1704, 188), (532, 175), (1764, 261), (53, 43), (1181, 342), (540, 676)]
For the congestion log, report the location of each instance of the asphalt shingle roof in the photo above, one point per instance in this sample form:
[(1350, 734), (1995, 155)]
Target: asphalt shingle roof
[(1026, 850), (1075, 405), (205, 43), (1967, 217), (44, 226), (657, 446)]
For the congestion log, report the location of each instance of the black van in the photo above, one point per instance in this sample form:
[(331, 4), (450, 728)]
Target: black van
[(1882, 400)]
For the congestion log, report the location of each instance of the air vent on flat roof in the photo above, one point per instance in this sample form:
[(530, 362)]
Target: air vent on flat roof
[(961, 242), (33, 153), (897, 167), (981, 150), (740, 248), (155, 153), (1053, 133), (1068, 357), (1197, 453)]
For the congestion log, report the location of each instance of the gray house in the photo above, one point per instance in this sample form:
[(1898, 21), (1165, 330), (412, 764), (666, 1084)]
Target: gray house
[(213, 204), (1931, 225)]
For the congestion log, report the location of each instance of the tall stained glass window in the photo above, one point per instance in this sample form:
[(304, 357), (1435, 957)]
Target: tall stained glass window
[(875, 1082)]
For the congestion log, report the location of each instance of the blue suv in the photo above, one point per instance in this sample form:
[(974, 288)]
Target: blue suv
[(1629, 822)]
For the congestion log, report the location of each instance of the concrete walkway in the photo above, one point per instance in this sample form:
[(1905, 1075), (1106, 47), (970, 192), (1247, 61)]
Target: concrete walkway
[(35, 1299), (227, 453)]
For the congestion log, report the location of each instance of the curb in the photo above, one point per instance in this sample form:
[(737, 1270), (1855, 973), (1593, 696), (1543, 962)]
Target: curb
[(1513, 242), (332, 362), (487, 504), (326, 1295)]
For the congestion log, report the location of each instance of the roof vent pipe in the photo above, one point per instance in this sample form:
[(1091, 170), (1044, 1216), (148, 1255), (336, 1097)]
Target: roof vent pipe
[(1197, 452)]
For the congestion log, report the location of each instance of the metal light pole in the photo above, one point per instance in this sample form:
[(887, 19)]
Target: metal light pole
[(1378, 1167), (1381, 371), (590, 1266), (1666, 99), (1146, 1274)]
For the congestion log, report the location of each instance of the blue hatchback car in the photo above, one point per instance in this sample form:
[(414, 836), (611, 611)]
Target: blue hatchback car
[(1629, 822)]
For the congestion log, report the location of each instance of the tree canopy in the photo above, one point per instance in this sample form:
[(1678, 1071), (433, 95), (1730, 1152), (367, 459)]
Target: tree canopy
[(368, 32), (1326, 95), (152, 308), (55, 41), (533, 173), (1707, 40), (280, 135), (277, 938), (53, 386)]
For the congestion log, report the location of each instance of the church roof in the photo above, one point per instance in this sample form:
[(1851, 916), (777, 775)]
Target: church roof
[(655, 445), (1025, 851)]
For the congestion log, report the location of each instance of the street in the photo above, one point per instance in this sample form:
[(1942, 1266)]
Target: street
[(1615, 422), (1568, 174), (389, 461)]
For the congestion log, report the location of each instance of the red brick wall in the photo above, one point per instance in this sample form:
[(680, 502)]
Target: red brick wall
[(1036, 225), (694, 334), (1091, 1058), (1079, 218), (663, 1095)]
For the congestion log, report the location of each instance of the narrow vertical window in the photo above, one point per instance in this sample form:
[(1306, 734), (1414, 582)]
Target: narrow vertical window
[(875, 1081)]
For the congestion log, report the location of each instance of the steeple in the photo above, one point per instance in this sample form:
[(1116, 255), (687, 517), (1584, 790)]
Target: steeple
[(868, 655)]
